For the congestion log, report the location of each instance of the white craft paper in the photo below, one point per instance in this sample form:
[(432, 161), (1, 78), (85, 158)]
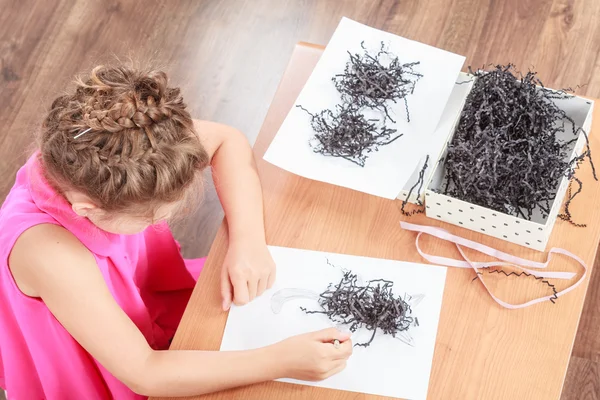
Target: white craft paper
[(386, 171), (387, 367)]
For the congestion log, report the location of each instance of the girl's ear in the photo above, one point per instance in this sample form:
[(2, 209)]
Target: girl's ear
[(83, 208)]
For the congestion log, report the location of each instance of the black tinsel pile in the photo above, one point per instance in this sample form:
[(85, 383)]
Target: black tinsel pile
[(366, 83), (346, 133), (505, 154), (372, 306)]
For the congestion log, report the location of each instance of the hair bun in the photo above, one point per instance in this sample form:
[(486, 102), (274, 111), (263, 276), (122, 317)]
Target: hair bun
[(85, 143)]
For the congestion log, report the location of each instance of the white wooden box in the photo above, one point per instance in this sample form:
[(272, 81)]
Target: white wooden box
[(532, 233)]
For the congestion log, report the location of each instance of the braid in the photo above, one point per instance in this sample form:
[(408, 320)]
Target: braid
[(127, 114), (141, 148)]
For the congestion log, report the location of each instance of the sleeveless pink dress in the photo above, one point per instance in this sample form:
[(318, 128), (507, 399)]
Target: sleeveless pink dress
[(145, 273)]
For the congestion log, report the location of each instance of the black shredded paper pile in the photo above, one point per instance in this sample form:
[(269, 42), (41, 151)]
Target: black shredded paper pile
[(372, 306), (368, 82), (505, 154)]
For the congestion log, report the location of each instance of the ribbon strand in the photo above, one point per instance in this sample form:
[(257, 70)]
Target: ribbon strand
[(505, 260)]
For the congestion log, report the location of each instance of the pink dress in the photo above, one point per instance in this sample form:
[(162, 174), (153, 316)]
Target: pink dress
[(145, 273)]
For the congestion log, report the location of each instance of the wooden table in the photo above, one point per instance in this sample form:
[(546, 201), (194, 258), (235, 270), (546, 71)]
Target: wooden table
[(482, 350)]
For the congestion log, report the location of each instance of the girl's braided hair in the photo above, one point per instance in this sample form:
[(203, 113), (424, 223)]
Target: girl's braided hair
[(138, 149)]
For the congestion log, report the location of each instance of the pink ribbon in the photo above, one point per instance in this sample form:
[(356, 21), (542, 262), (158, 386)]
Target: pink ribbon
[(508, 260)]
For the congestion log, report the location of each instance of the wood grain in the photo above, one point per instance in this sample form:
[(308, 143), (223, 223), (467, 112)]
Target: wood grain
[(587, 343), (482, 350), (583, 380), (229, 55)]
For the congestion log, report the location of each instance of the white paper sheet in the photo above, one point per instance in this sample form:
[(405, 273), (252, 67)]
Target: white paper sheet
[(388, 367), (387, 170)]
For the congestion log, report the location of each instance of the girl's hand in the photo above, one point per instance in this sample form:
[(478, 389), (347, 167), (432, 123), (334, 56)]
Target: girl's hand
[(248, 270), (313, 356)]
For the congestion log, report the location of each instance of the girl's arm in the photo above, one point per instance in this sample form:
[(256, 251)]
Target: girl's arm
[(64, 274), (248, 268)]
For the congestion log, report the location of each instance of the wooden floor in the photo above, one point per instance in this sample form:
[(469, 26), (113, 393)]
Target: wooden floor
[(228, 57)]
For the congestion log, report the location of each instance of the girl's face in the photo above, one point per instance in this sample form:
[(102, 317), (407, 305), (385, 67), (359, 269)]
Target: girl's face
[(119, 223), (129, 224)]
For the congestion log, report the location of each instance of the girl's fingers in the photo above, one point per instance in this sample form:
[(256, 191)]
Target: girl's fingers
[(226, 290), (240, 292), (271, 280), (252, 289), (343, 351), (330, 334), (262, 286)]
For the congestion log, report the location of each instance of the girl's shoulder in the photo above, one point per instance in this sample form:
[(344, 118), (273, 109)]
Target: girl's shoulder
[(44, 253)]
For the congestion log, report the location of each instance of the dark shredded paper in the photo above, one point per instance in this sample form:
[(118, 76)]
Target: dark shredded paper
[(417, 188), (372, 306), (367, 82), (346, 133), (523, 274), (505, 154)]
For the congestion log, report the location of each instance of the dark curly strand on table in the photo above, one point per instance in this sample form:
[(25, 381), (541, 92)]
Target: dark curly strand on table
[(416, 188), (491, 270)]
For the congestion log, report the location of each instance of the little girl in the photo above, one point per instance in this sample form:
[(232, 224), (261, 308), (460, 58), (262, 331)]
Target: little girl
[(92, 283)]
